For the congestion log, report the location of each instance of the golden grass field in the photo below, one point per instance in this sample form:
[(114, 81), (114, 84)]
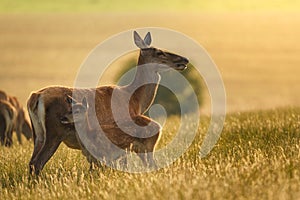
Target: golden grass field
[(258, 154)]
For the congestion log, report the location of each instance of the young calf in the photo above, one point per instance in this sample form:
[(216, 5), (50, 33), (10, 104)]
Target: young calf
[(111, 142)]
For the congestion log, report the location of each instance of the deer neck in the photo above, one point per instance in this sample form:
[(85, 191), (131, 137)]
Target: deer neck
[(145, 84)]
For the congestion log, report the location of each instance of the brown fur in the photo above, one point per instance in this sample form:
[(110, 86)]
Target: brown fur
[(47, 107), (110, 137), (3, 96), (7, 118), (20, 124)]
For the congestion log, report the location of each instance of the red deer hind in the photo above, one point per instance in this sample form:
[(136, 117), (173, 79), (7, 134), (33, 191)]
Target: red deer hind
[(17, 122), (7, 118), (49, 107)]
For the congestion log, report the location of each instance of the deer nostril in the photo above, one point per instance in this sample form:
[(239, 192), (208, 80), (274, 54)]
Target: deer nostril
[(185, 60)]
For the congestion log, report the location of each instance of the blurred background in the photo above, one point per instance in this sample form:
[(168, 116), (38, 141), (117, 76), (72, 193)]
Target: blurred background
[(255, 44)]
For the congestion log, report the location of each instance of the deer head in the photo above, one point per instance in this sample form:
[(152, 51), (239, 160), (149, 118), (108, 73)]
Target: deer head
[(78, 112), (151, 55)]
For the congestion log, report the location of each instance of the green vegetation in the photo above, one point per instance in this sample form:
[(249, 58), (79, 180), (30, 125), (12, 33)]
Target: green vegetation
[(61, 6), (257, 157)]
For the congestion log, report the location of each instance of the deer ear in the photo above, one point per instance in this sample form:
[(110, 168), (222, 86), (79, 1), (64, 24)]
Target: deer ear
[(148, 39), (84, 103), (71, 100), (139, 42)]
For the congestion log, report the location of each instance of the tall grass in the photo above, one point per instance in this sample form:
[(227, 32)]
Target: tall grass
[(257, 157)]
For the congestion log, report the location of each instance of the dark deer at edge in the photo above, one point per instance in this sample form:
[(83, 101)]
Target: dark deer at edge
[(12, 118)]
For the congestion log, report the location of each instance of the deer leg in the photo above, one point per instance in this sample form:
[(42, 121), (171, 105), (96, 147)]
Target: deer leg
[(6, 130), (95, 164), (145, 149), (150, 148), (8, 139), (2, 133), (146, 153), (26, 130), (38, 134), (145, 146), (38, 144), (2, 139), (37, 148), (46, 152), (90, 159), (18, 132), (148, 159)]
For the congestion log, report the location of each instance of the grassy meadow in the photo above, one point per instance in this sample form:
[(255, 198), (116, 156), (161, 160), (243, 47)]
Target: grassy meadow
[(257, 157), (256, 46)]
